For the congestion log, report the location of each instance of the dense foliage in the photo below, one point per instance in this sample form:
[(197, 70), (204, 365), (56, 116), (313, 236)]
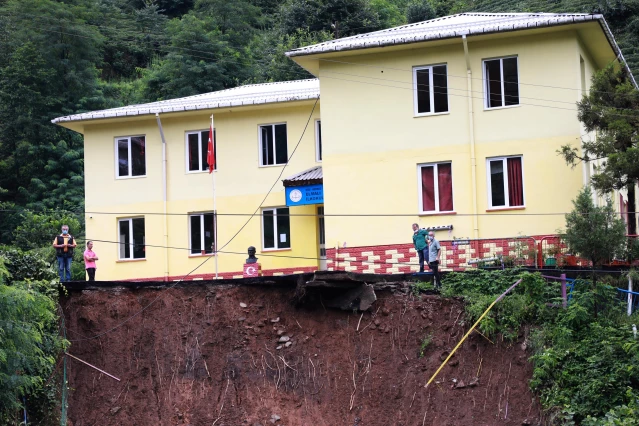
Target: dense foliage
[(610, 110), (592, 232), (586, 367), (61, 57), (29, 340)]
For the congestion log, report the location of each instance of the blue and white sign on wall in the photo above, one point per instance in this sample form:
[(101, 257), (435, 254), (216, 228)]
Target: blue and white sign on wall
[(303, 195)]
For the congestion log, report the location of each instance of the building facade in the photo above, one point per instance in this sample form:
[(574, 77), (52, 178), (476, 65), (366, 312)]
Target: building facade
[(452, 123)]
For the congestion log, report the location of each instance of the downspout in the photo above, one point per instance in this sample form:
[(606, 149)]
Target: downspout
[(471, 132), (164, 197)]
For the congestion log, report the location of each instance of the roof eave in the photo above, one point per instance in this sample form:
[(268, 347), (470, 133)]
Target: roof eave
[(451, 34), (104, 115)]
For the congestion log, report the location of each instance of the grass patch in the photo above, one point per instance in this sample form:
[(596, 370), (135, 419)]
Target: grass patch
[(425, 343)]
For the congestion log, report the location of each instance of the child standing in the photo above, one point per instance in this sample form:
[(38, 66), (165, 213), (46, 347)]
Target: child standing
[(89, 260)]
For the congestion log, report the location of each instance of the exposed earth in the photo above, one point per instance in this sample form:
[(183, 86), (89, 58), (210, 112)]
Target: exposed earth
[(233, 355)]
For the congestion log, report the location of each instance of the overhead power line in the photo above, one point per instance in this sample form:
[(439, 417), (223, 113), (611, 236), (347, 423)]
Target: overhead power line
[(210, 257), (199, 42)]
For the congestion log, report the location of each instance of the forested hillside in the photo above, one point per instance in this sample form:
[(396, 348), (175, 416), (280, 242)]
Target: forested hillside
[(62, 57)]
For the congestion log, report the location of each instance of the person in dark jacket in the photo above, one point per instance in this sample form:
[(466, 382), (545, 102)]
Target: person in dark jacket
[(64, 245), (419, 240)]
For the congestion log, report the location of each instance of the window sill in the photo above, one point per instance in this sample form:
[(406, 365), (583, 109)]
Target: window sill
[(261, 166), (198, 172), (129, 177), (202, 255), (130, 260), (501, 107), (436, 213), (272, 250), (434, 114), (505, 209)]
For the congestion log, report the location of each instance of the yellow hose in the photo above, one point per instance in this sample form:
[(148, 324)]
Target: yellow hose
[(470, 331)]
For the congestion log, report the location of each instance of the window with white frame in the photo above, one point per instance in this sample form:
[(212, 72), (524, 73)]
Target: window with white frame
[(501, 82), (130, 154), (201, 233), (318, 141), (430, 87), (273, 145), (505, 182), (436, 187), (276, 228), (131, 238), (197, 147)]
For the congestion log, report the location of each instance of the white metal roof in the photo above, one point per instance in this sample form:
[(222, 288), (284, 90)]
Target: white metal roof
[(253, 94), (447, 27), (314, 173)]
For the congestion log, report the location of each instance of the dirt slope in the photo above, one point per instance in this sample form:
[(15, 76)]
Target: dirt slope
[(196, 357)]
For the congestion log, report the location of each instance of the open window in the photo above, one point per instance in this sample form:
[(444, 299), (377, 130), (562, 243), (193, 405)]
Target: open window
[(318, 141), (131, 235), (430, 86), (273, 145), (130, 156), (501, 82), (197, 146), (202, 233)]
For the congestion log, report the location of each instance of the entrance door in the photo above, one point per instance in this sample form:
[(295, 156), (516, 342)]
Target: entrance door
[(322, 239)]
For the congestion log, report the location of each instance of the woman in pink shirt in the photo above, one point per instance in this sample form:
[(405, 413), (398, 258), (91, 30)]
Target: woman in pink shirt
[(89, 260)]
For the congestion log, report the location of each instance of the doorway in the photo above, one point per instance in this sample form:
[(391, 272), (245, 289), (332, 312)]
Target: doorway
[(321, 239)]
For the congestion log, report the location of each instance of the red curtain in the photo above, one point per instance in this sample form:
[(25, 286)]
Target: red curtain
[(428, 189), (445, 186), (515, 183)]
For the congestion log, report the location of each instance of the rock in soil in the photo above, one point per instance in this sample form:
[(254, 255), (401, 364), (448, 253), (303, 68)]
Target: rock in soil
[(149, 356)]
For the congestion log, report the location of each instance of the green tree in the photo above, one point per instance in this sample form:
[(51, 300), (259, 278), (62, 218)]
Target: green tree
[(29, 344), (594, 233), (419, 10), (181, 73), (38, 229), (269, 60), (342, 18), (610, 109)]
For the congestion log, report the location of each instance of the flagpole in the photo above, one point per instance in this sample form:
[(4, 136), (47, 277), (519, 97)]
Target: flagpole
[(214, 197)]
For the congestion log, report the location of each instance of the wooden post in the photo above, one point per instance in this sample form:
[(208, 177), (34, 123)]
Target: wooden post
[(564, 296)]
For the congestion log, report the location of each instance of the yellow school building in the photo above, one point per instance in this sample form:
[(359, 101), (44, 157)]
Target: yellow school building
[(452, 123)]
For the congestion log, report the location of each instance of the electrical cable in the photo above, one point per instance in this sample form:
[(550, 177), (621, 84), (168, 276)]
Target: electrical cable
[(496, 212), (208, 258), (321, 59)]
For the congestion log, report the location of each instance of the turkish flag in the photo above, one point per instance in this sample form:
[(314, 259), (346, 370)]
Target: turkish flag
[(210, 156)]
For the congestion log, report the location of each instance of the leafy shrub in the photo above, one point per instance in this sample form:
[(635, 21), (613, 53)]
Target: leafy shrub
[(29, 344), (38, 229), (480, 288), (587, 365), (29, 265)]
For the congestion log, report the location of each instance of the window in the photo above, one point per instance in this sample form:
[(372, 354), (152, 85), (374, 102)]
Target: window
[(276, 229), (502, 82), (436, 187), (505, 182), (318, 141), (197, 147), (131, 238), (202, 233), (273, 145), (131, 156), (430, 90)]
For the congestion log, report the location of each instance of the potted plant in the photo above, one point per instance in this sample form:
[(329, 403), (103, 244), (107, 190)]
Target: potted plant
[(551, 255)]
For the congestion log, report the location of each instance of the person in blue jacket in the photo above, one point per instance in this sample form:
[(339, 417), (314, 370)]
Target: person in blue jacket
[(419, 240)]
